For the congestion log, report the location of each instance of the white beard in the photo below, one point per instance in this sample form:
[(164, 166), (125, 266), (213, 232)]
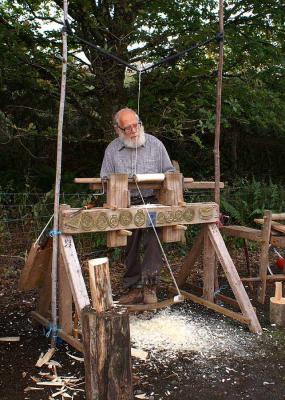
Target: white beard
[(136, 141)]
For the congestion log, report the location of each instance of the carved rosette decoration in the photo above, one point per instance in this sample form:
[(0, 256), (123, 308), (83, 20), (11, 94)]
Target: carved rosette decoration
[(206, 212), (86, 221), (114, 221), (102, 221), (139, 218), (125, 218), (160, 219), (189, 214), (178, 216), (169, 216)]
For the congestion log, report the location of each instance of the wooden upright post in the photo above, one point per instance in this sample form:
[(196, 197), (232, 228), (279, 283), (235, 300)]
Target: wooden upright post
[(209, 270), (117, 197), (106, 340), (171, 194), (264, 259)]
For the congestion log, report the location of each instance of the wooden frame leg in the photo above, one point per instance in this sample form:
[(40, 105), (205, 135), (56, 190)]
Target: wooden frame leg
[(209, 268), (264, 259), (233, 277), (74, 273), (190, 259), (65, 300)]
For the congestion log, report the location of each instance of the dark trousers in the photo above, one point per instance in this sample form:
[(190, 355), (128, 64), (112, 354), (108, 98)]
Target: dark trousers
[(142, 269)]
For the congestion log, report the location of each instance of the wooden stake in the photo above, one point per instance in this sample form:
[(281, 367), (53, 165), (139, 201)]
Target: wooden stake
[(264, 258), (219, 105)]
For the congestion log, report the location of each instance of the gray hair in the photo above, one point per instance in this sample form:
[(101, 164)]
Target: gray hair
[(117, 115)]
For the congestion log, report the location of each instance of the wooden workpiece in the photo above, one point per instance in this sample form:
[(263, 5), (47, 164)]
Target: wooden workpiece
[(105, 220)]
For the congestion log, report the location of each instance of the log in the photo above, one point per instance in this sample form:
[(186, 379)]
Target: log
[(107, 354), (100, 286), (277, 306)]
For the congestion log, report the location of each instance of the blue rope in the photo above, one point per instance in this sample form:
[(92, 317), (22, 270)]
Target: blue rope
[(220, 289), (54, 233)]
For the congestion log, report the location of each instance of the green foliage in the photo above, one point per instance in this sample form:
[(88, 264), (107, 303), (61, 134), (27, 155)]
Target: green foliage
[(247, 199)]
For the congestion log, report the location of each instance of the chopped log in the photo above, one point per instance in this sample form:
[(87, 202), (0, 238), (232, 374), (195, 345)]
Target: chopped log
[(107, 354), (277, 306), (100, 286)]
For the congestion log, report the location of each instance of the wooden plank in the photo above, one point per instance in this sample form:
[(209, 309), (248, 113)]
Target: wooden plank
[(74, 273), (135, 217), (242, 232), (278, 216), (233, 277), (201, 185), (264, 256), (100, 285), (148, 307), (190, 259), (222, 310), (209, 268), (118, 195), (274, 225), (63, 335), (44, 303), (189, 183), (33, 273), (278, 277), (277, 241), (218, 296), (65, 299)]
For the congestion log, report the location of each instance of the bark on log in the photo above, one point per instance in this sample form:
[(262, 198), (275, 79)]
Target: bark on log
[(107, 354)]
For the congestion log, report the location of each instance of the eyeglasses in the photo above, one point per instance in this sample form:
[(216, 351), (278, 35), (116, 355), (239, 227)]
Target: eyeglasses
[(130, 128)]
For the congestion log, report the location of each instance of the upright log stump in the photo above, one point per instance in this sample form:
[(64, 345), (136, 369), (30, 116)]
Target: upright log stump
[(277, 306), (106, 340)]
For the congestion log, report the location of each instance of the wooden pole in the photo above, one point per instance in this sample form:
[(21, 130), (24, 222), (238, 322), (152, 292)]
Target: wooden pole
[(106, 340), (57, 180), (219, 105)]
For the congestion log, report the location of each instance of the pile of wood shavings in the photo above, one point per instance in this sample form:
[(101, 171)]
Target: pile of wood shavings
[(172, 332)]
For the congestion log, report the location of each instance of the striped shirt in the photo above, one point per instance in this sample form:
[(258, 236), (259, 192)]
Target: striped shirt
[(149, 158)]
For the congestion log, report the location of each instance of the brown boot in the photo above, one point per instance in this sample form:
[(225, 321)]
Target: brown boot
[(149, 294), (134, 296)]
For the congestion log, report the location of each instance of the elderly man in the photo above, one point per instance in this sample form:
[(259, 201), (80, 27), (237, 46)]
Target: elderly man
[(136, 152)]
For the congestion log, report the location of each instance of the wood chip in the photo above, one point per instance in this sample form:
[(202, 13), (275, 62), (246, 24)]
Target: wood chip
[(50, 383), (141, 354), (45, 359), (10, 339), (29, 388), (81, 359)]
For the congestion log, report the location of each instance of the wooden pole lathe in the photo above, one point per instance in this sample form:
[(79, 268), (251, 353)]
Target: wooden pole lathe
[(106, 340)]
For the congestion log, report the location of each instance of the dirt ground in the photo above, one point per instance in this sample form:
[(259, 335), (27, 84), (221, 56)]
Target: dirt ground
[(251, 368)]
